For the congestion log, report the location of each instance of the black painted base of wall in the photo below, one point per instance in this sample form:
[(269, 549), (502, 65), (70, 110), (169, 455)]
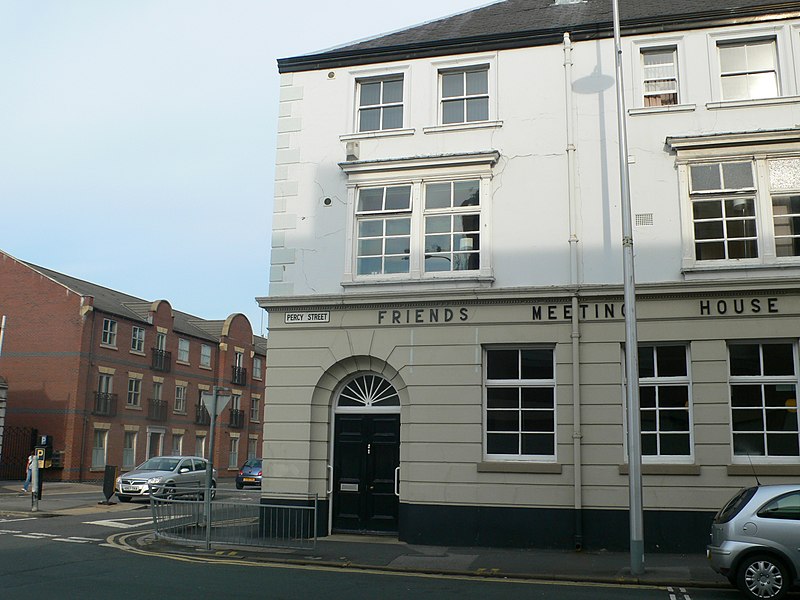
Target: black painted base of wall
[(664, 531)]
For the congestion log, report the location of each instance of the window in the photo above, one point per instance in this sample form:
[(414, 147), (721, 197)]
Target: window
[(99, 448), (664, 401), (380, 103), (233, 453), (109, 337), (129, 450), (205, 355), (384, 230), (105, 384), (183, 350), (134, 392), (137, 339), (161, 341), (464, 95), (451, 238), (763, 388), (782, 507), (177, 444), (252, 448), (660, 77), (257, 367), (157, 390), (254, 410), (748, 69), (180, 399), (520, 403), (200, 445), (724, 210), (452, 226), (784, 179)]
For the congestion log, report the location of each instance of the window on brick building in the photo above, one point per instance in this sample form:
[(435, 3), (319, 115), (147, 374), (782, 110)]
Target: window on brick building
[(183, 350), (134, 392), (109, 337), (205, 355), (137, 339)]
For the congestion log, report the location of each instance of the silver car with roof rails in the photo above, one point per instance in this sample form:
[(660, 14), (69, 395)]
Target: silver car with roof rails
[(755, 540), (168, 476)]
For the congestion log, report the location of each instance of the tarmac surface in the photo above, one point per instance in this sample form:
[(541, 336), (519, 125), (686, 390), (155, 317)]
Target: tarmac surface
[(387, 554)]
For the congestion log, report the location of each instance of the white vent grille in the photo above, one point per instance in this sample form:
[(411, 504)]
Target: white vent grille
[(644, 219)]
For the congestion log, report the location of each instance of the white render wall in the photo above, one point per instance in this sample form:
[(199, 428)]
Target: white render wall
[(530, 212)]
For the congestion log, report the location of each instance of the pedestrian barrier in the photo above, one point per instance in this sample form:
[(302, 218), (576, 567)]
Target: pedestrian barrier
[(279, 521)]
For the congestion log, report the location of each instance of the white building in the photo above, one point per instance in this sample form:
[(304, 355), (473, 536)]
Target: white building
[(446, 327)]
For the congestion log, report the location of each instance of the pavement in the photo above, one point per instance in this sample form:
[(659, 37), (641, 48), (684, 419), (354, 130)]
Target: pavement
[(387, 554)]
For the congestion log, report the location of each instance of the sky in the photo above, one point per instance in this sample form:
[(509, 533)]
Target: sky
[(137, 137)]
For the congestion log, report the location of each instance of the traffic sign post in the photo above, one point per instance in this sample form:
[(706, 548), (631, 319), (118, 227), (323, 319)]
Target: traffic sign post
[(214, 402)]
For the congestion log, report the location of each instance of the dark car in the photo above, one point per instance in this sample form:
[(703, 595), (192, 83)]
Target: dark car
[(249, 474)]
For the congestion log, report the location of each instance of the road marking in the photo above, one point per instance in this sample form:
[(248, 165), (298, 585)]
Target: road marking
[(75, 540), (3, 531), (121, 523), (20, 519), (36, 536), (681, 595)]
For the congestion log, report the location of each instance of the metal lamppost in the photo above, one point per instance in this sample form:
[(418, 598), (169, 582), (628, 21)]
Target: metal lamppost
[(631, 341), (215, 403)]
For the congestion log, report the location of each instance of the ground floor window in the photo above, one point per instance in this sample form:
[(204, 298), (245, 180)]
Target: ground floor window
[(200, 445), (177, 444), (99, 448), (664, 401), (129, 450), (233, 453), (252, 448), (520, 416), (763, 388)]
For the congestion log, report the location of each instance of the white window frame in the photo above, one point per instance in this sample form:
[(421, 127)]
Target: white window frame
[(382, 105), (99, 451), (205, 355), (375, 73), (184, 347), (105, 383), (129, 452), (258, 367), (761, 380), (134, 398), (137, 339), (550, 383), (489, 61), (177, 448), (200, 445), (180, 399), (233, 452), (417, 173), (109, 333), (786, 87), (252, 448), (759, 148), (255, 414)]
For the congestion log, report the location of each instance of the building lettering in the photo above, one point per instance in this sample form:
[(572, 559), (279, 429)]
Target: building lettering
[(422, 316), (597, 311), (739, 306)]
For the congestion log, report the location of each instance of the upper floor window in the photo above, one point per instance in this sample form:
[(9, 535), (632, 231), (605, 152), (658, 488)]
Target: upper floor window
[(452, 226), (109, 337), (134, 392), (464, 94), (748, 69), (520, 409), (724, 210), (161, 341), (257, 367), (180, 399), (660, 76), (383, 216), (380, 103), (205, 355), (763, 388), (183, 350), (137, 339)]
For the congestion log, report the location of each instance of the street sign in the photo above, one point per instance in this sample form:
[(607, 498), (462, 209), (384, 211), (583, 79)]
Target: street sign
[(208, 402)]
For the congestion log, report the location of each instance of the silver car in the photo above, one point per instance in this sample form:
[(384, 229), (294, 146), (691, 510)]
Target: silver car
[(168, 476), (755, 540)]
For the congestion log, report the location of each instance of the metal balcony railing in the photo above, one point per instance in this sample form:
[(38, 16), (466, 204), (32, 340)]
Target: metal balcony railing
[(236, 418), (156, 410), (161, 361), (105, 404), (239, 376), (201, 416)]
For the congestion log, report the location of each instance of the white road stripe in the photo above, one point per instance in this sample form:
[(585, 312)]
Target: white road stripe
[(85, 539), (71, 540), (19, 519), (2, 531)]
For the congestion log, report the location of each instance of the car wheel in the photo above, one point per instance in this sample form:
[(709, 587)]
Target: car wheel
[(239, 486), (763, 576), (124, 498)]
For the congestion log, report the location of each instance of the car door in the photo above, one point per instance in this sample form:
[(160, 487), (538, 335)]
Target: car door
[(778, 523), (184, 479)]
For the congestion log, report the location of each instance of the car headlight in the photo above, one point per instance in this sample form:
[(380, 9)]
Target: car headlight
[(119, 481), (154, 480)]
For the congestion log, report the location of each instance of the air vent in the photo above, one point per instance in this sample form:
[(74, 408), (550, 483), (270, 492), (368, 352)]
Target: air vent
[(644, 219)]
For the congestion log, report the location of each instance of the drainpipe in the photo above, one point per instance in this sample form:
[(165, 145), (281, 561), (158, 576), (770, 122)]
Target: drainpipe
[(575, 334), (86, 410)]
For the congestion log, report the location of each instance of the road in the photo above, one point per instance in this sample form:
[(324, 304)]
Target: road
[(80, 557)]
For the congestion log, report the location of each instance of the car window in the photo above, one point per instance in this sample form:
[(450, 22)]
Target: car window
[(253, 463), (734, 505), (199, 465), (159, 463), (783, 507), (186, 464)]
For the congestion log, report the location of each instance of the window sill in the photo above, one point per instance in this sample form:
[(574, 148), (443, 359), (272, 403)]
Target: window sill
[(762, 470), (366, 135), (96, 469), (207, 368), (108, 346), (183, 362), (179, 412), (664, 469), (767, 270), (519, 467), (470, 280), (463, 126), (748, 103), (649, 110), (130, 407), (137, 353)]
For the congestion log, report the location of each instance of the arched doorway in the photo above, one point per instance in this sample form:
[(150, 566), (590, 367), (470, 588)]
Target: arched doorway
[(366, 455)]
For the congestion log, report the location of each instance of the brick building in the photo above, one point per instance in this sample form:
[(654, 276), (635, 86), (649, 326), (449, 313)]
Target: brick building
[(116, 379)]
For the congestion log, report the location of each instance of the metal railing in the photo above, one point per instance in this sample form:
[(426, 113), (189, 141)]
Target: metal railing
[(201, 416), (156, 410), (236, 418), (105, 404), (285, 521), (161, 360), (238, 375)]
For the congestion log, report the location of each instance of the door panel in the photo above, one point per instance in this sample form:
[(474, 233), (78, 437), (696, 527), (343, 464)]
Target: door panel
[(366, 454)]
